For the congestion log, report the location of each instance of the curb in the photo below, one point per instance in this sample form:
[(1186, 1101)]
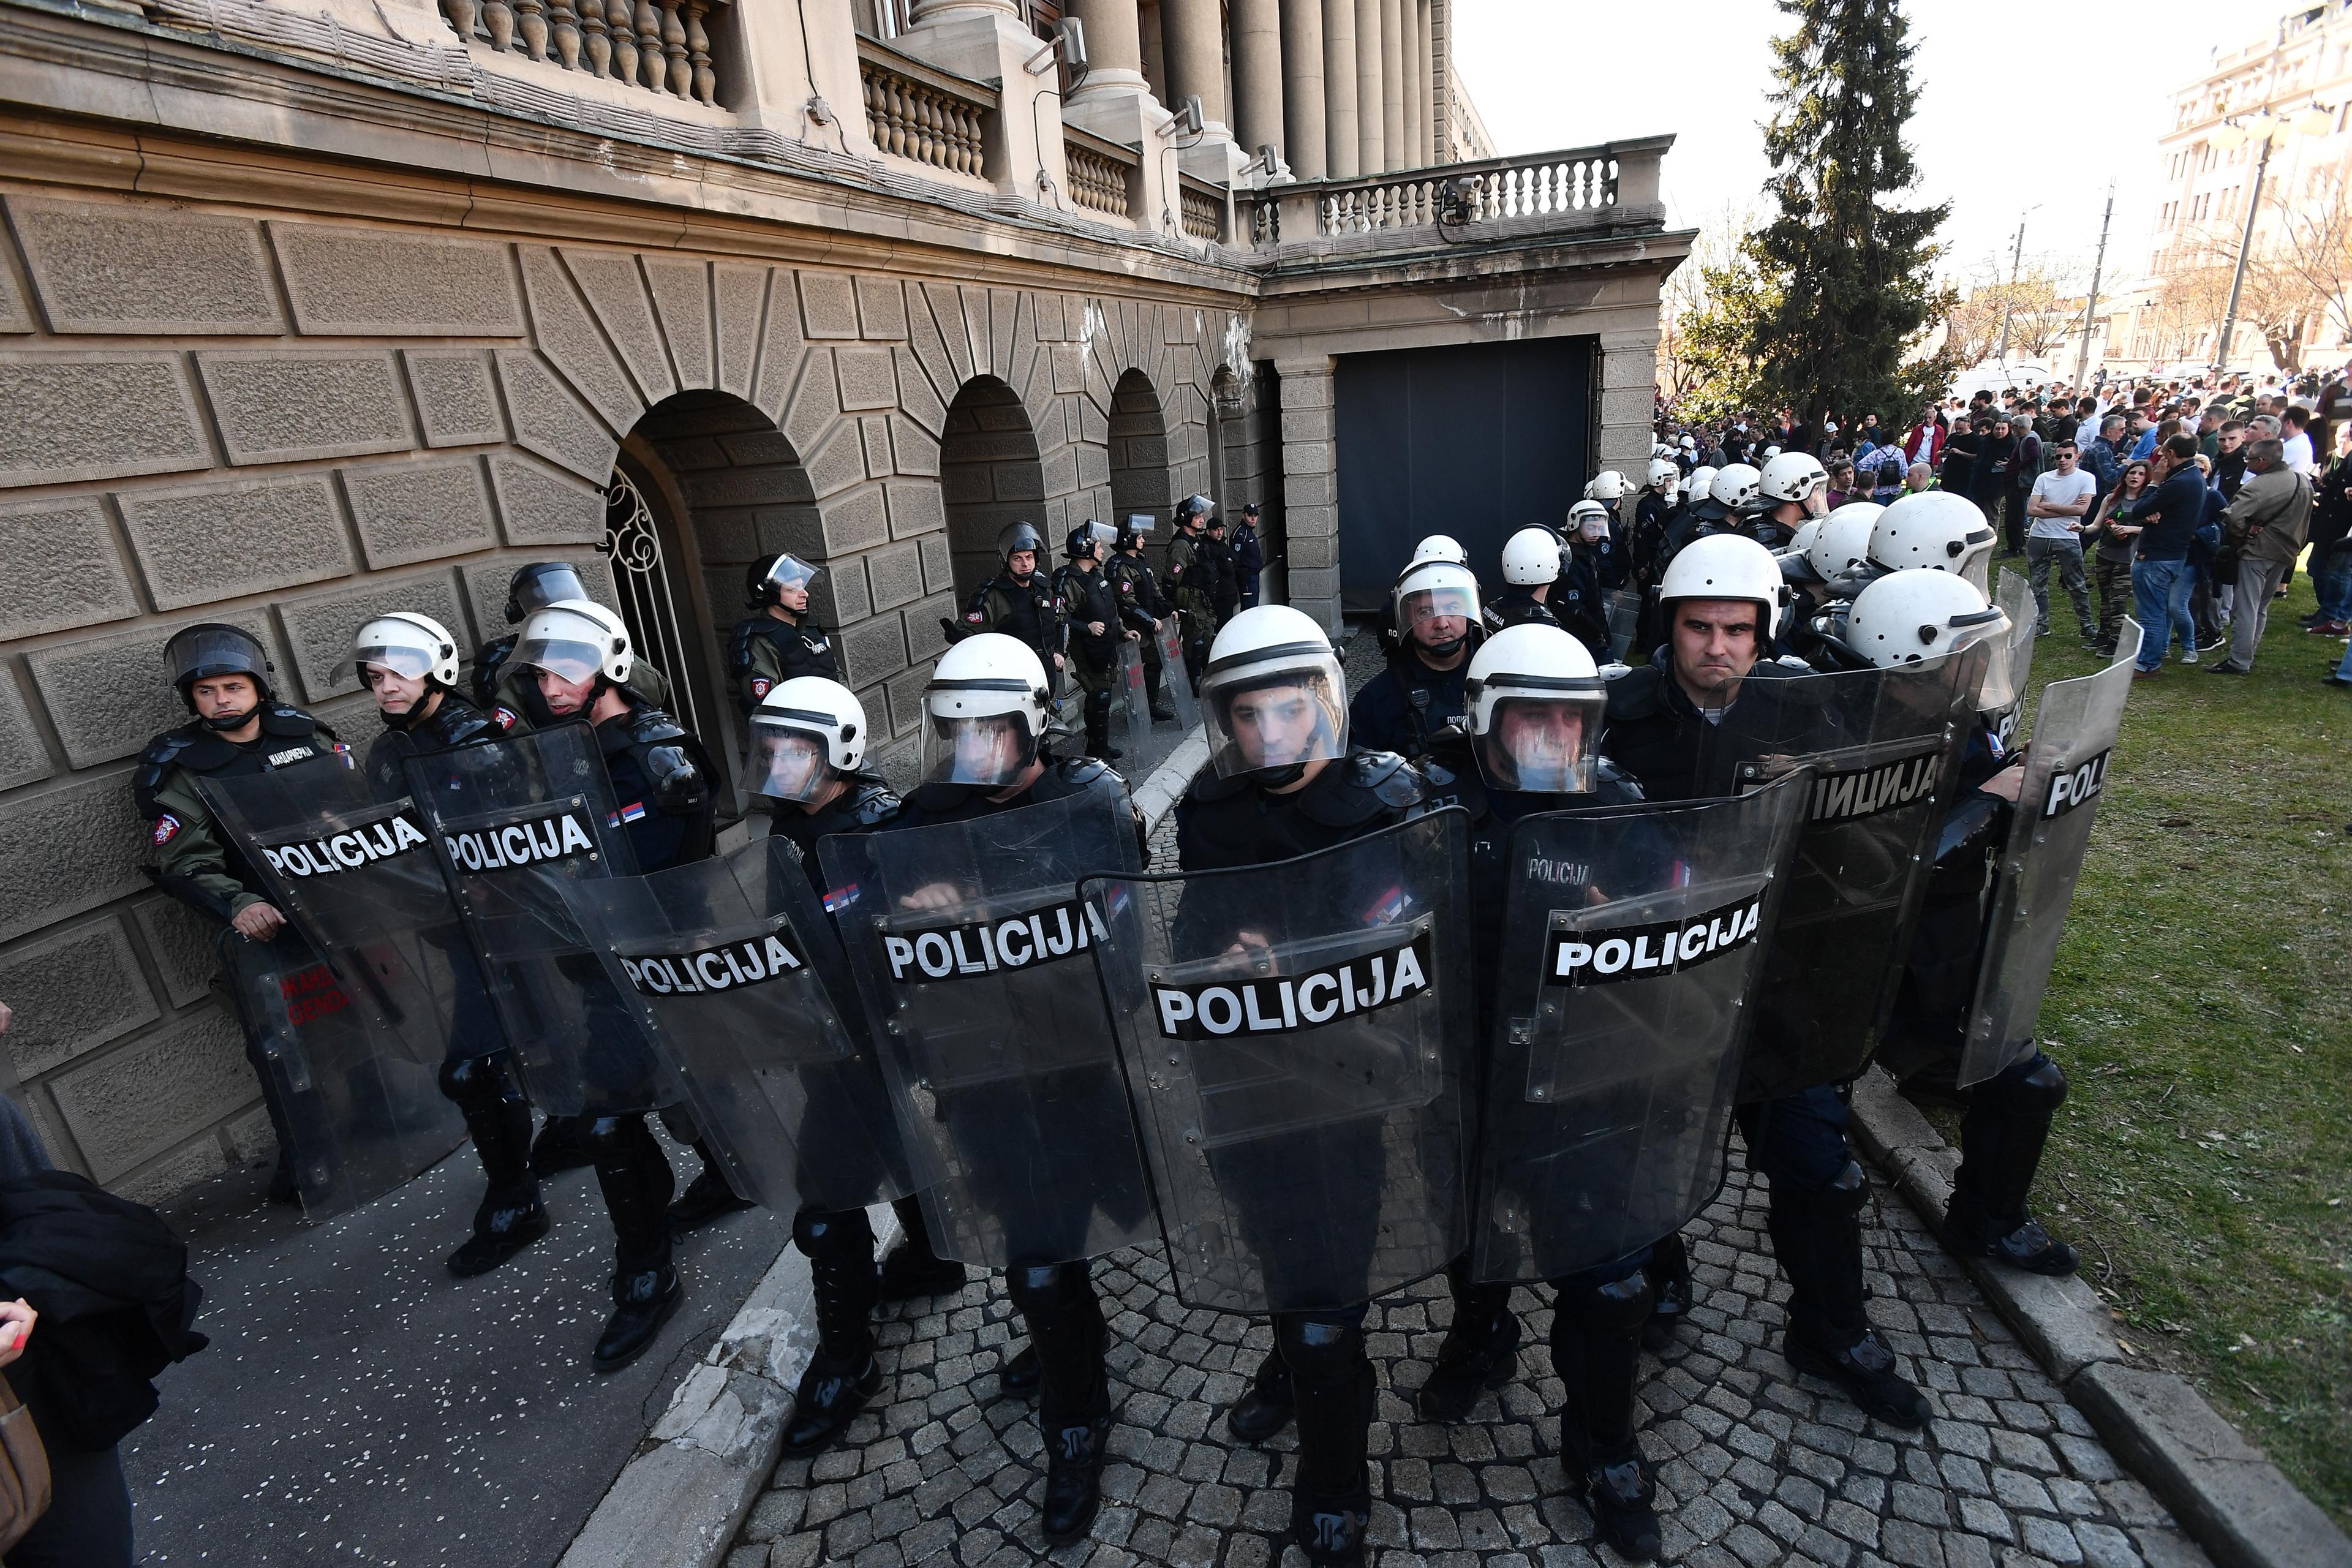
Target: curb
[(2225, 1492), (685, 1493)]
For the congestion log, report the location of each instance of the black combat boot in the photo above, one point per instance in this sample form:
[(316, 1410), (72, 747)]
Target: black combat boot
[(1098, 735), (1066, 1328), (1158, 697), (510, 1216), (1267, 1406), (1596, 1346), (913, 1270), (1670, 1288), (2002, 1140), (1330, 1501), (842, 1375), (1019, 1375), (560, 1146), (1817, 1237), (635, 1178), (1481, 1349), (706, 1198)]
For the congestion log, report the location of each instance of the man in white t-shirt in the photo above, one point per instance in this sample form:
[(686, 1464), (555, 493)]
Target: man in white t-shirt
[(2294, 434), (2060, 501)]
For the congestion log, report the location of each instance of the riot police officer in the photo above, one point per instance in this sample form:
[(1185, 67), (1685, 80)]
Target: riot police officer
[(1137, 587), (1191, 578), (1217, 552), (1580, 603), (579, 656), (1436, 547), (986, 752), (409, 663), (1283, 781), (1400, 709), (509, 697), (808, 743), (1529, 745), (2008, 1115), (1722, 599), (1531, 564), (779, 642), (1795, 490), (239, 727), (1249, 555), (1019, 601), (1100, 620)]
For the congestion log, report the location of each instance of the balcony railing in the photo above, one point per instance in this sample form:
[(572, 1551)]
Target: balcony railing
[(1203, 205), (661, 46), (1572, 187), (922, 114), (1102, 173)]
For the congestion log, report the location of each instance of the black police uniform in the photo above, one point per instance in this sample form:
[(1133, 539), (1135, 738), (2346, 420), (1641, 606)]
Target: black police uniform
[(1816, 1189), (1400, 709), (1225, 576), (1249, 560), (1577, 601), (199, 865), (2008, 1120), (1090, 597), (1517, 605), (1056, 1301), (766, 650), (1599, 1313), (1318, 1369), (481, 1083), (1027, 611), (1139, 588)]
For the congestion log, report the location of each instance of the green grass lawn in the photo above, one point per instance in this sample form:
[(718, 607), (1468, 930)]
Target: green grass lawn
[(2202, 1007)]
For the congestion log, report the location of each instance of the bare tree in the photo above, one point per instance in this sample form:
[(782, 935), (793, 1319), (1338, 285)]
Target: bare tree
[(2312, 250), (1689, 356)]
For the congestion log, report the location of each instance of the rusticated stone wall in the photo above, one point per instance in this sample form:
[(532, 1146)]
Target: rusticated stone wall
[(290, 422)]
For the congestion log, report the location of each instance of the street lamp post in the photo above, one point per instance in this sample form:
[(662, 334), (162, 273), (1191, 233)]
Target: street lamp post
[(2270, 130)]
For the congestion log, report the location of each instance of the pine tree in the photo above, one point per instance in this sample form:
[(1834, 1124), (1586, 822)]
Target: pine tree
[(1845, 274)]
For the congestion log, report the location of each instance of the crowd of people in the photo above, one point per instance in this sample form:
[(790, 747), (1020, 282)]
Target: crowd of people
[(2129, 493)]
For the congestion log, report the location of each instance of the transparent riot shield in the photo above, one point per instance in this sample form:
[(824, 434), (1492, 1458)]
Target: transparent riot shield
[(1298, 1043), (360, 1115), (1172, 678), (970, 951), (2074, 732), (1633, 949), (2014, 595), (735, 973), (1134, 700), (513, 820), (1884, 748), (348, 857), (1624, 617)]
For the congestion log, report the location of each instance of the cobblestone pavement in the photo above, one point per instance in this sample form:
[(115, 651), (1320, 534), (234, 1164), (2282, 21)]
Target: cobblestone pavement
[(1755, 1466)]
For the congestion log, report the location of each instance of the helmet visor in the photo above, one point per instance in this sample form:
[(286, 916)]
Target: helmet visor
[(984, 749), (406, 660), (573, 660), (1976, 566), (791, 571), (788, 762), (1273, 712), (550, 585), (1996, 690), (200, 651), (1541, 742)]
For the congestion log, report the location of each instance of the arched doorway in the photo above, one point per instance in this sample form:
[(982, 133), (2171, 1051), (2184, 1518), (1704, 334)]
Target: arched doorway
[(703, 485), (1139, 453), (990, 476)]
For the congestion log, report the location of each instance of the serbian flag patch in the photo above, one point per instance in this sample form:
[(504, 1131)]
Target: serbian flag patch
[(840, 899), (633, 812), (167, 828), (1386, 908)]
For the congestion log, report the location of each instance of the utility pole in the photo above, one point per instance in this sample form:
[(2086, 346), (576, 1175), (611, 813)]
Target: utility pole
[(2091, 306), (2009, 305), (2245, 249)]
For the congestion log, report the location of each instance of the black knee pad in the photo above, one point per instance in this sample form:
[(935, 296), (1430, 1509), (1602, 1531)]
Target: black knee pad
[(1618, 1307), (2042, 1089), (1847, 1194), (612, 1141), (826, 1236), (1098, 703), (1045, 1287), (476, 1083), (1318, 1351)]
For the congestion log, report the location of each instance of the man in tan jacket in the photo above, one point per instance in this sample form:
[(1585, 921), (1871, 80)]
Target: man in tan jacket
[(2266, 525)]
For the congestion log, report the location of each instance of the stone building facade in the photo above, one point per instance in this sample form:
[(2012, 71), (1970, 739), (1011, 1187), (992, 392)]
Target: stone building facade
[(307, 314)]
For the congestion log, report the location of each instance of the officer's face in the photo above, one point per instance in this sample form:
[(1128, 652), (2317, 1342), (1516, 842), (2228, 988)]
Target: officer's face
[(1021, 562), (988, 751), (222, 696), (394, 693), (794, 599), (1545, 741), (1715, 643), (565, 697), (1276, 726), (796, 767)]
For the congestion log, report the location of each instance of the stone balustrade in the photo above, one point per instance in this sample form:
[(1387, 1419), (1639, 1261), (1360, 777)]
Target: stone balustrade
[(1102, 173), (924, 115), (661, 46), (1614, 183), (1203, 205)]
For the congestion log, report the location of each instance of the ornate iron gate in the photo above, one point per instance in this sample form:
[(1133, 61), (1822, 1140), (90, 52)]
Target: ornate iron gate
[(633, 539)]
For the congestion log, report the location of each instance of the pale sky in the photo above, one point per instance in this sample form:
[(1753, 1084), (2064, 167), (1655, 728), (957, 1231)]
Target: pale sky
[(2012, 112)]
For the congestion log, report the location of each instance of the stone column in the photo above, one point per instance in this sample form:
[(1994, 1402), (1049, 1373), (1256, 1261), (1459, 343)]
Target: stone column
[(1425, 89), (1310, 487), (1392, 84), (1257, 74), (1114, 48), (1341, 150), (1416, 91), (1115, 102), (1192, 34), (1303, 105), (928, 12), (987, 40), (1372, 85), (1629, 379)]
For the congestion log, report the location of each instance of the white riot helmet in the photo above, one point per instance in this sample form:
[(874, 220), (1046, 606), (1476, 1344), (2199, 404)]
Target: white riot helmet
[(984, 711), (1735, 487), (1801, 541), (1690, 443), (1274, 697), (1919, 614), (1728, 566), (1531, 556), (1608, 484), (1700, 485), (1842, 542), (806, 732), (1662, 449), (1792, 475), (415, 647), (1665, 475), (1432, 590), (1938, 530), (1437, 547), (1585, 516), (576, 640), (1535, 700), (1770, 453)]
